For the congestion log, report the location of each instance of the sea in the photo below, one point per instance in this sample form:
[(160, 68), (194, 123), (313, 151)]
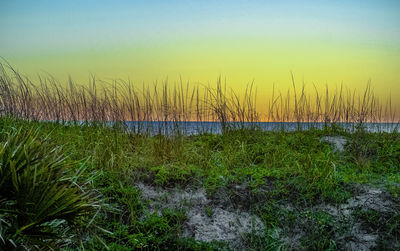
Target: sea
[(194, 127)]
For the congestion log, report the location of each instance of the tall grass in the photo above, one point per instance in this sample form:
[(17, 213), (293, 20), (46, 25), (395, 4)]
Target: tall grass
[(120, 101)]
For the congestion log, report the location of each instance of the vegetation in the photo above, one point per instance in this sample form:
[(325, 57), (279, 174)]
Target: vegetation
[(38, 197), (285, 178), (119, 101), (71, 180)]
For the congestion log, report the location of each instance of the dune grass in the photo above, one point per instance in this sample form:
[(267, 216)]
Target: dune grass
[(283, 174), (119, 101), (60, 138)]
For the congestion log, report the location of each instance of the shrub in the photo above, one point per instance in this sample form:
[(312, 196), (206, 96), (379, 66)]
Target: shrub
[(37, 197)]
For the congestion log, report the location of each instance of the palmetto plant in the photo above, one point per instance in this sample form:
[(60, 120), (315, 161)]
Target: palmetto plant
[(37, 197)]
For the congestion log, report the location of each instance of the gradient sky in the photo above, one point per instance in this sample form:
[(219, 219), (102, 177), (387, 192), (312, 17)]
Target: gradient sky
[(322, 42)]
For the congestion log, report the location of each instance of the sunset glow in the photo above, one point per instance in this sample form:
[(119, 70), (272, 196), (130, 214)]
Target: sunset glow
[(324, 42)]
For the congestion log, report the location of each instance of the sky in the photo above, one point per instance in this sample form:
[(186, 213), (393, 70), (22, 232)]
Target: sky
[(321, 42)]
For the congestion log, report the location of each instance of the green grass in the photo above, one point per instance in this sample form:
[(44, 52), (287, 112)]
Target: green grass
[(286, 176), (69, 185)]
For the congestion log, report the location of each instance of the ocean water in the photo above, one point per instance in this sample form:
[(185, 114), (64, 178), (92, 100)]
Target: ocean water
[(192, 128)]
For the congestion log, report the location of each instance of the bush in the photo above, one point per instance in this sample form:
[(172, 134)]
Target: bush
[(37, 197)]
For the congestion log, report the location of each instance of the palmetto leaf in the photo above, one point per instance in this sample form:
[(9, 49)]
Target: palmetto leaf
[(35, 191)]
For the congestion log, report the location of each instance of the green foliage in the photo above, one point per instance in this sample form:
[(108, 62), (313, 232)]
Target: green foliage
[(276, 175), (124, 197), (368, 215), (166, 148), (209, 211), (386, 224), (320, 231), (172, 174), (379, 153), (156, 230), (267, 241), (37, 197)]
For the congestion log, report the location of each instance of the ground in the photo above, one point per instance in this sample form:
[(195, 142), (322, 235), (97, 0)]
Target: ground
[(244, 189)]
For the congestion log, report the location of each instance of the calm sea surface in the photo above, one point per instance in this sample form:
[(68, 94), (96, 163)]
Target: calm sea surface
[(191, 128)]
